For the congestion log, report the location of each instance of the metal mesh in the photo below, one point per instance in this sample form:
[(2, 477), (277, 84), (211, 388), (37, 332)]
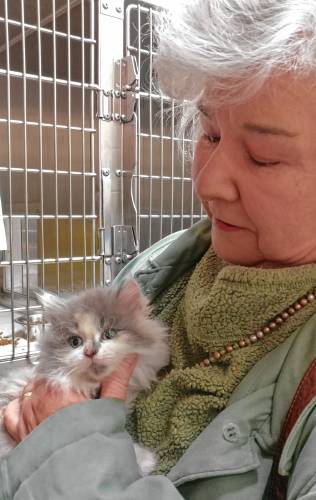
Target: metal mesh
[(53, 59), (47, 159), (163, 191)]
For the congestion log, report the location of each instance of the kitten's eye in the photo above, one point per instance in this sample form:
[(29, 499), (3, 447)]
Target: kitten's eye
[(75, 341), (108, 333)]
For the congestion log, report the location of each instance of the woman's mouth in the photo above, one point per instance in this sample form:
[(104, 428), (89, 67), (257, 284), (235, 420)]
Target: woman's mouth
[(224, 226)]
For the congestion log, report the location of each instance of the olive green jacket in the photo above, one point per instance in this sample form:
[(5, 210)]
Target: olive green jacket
[(84, 453)]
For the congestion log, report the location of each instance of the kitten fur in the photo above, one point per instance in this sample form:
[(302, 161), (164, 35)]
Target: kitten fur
[(107, 324)]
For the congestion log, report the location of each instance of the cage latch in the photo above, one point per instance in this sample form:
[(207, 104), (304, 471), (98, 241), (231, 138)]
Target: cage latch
[(121, 244), (118, 104), (124, 244)]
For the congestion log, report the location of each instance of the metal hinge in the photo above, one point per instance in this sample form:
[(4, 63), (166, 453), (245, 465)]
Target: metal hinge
[(112, 8), (120, 246), (118, 104)]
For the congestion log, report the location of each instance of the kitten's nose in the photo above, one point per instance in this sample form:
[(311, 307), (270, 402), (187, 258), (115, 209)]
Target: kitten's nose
[(90, 350)]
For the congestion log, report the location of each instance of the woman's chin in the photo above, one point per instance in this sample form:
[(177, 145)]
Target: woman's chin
[(236, 256)]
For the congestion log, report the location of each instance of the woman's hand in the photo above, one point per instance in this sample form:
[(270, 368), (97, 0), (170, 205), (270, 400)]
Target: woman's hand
[(40, 400), (116, 384)]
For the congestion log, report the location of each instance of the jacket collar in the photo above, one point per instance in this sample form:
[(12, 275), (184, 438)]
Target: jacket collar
[(168, 262)]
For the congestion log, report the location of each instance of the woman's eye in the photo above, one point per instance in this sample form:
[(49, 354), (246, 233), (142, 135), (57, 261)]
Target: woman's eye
[(263, 163), (213, 139), (75, 341), (108, 333)]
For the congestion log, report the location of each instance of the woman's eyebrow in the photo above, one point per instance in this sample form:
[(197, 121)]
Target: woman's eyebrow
[(264, 129), (254, 127), (204, 111)]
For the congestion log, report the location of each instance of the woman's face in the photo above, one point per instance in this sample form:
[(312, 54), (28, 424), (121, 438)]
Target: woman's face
[(255, 173)]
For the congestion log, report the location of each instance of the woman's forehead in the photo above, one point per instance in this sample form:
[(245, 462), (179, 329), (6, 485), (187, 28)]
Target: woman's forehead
[(284, 100)]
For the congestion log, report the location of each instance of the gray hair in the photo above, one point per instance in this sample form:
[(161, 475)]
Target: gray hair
[(233, 45)]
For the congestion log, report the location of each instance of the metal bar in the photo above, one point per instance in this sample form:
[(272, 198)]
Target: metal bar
[(10, 173), (182, 180), (166, 178), (150, 126), (49, 125), (121, 152), (5, 310), (25, 179), (92, 125), (47, 171), (131, 48), (172, 166), (83, 149), (55, 142), (161, 164), (192, 203), (40, 132), (58, 260), (139, 128), (169, 216), (69, 144), (46, 79), (47, 216)]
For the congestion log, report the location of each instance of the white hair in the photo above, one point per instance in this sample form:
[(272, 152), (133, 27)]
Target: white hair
[(233, 45)]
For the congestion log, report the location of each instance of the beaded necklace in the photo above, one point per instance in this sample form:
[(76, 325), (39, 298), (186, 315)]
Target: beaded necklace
[(269, 327)]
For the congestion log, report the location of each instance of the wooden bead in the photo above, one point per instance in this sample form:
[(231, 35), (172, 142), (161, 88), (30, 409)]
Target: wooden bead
[(217, 355)]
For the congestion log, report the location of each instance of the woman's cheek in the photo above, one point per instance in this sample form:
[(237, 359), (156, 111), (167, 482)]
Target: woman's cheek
[(198, 160)]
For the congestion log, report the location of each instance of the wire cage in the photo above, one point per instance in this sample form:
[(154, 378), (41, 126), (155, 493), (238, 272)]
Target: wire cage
[(90, 171)]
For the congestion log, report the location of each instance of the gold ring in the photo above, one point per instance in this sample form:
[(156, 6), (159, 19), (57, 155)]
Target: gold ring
[(27, 394)]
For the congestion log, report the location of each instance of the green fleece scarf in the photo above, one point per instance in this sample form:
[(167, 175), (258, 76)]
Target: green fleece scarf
[(209, 307)]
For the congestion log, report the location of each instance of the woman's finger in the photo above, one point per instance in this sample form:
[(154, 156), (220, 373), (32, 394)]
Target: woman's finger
[(22, 430), (116, 384), (28, 419), (11, 417)]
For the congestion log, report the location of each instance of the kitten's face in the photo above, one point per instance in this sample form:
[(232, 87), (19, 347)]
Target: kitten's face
[(92, 345), (91, 333)]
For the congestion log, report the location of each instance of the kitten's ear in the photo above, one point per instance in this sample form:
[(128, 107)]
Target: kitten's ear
[(131, 295), (51, 303)]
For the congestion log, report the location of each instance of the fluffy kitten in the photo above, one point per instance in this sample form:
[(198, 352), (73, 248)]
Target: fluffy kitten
[(86, 338)]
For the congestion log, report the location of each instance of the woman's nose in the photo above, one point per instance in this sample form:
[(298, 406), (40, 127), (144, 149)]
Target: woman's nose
[(216, 177)]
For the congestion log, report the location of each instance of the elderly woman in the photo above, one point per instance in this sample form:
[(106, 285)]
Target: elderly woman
[(238, 294)]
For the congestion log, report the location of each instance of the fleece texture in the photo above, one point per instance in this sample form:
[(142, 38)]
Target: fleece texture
[(211, 305)]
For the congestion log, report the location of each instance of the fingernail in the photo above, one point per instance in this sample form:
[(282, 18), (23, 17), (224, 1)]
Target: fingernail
[(131, 359)]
